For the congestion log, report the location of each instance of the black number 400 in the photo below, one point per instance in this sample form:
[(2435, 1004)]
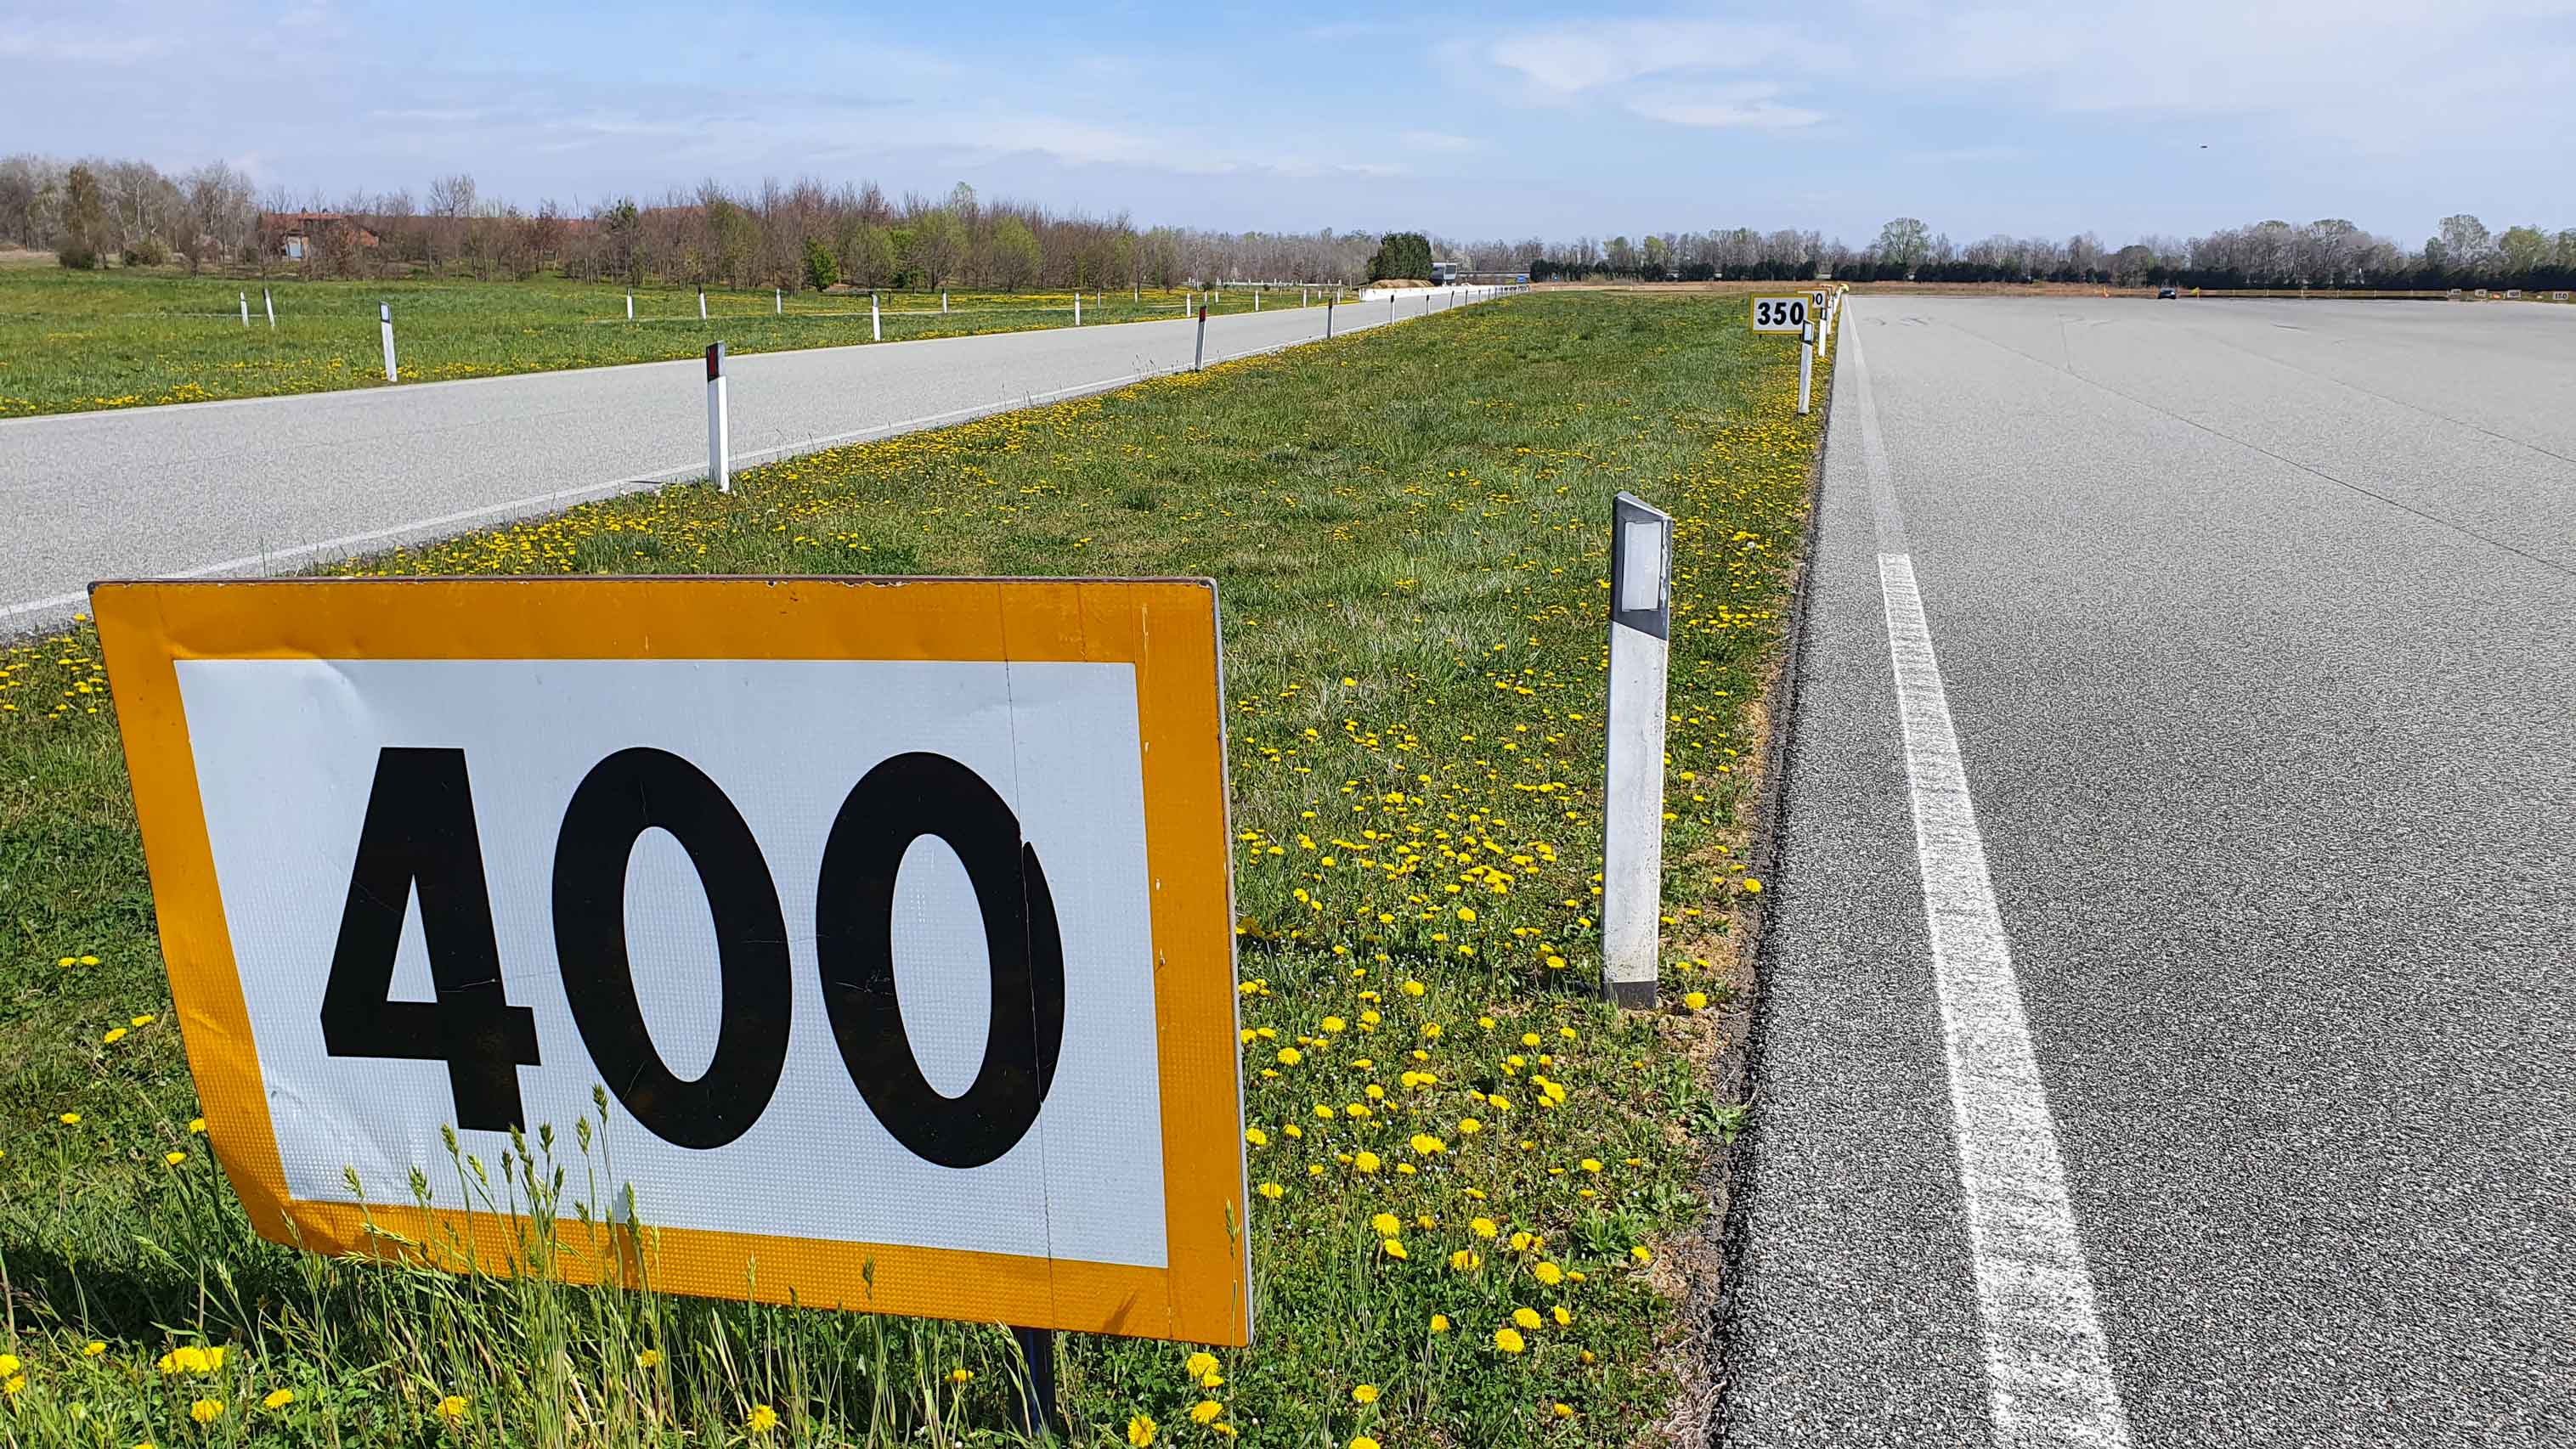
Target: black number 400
[(420, 834)]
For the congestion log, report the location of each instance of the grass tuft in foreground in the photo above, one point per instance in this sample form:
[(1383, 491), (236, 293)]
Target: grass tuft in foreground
[(1463, 1164)]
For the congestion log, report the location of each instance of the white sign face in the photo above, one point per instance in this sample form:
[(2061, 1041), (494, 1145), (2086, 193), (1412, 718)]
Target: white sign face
[(288, 753), (1781, 314), (891, 920)]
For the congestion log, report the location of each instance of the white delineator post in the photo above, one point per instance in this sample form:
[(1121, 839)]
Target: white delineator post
[(1198, 359), (1256, 299), (1806, 363), (245, 300), (268, 303), (719, 427), (1077, 309), (630, 306), (1632, 822), (876, 320), (943, 304), (778, 300), (1328, 319), (702, 304), (385, 319)]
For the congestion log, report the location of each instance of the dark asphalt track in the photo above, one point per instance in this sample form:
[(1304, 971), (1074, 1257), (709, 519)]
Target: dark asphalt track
[(2258, 625)]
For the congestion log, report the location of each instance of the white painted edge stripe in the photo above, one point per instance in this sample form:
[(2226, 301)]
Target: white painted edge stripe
[(2048, 1369), (59, 608)]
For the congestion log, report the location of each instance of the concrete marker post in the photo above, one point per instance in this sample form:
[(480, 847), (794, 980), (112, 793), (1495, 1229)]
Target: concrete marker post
[(1806, 364), (385, 319), (719, 426), (1198, 359), (1632, 822), (268, 303)]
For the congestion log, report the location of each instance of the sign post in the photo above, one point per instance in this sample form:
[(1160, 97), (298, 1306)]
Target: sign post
[(385, 320), (1792, 314), (1632, 862), (719, 426), (445, 860)]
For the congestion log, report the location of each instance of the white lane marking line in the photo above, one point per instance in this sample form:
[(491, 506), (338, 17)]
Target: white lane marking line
[(2048, 1370), (536, 503)]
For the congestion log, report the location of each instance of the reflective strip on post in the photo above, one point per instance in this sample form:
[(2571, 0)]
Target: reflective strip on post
[(1632, 862)]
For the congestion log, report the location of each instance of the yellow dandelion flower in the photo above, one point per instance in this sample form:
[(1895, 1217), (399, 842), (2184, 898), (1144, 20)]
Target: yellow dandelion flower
[(1508, 1341), (1201, 1364), (1205, 1411), (1272, 1190), (1561, 1314), (1387, 1224), (1365, 1162), (1549, 1274), (206, 1411), (277, 1399), (1440, 1323), (452, 1408), (1364, 1394), (1256, 1136), (1140, 1432), (93, 1349), (650, 1358), (763, 1419), (1526, 1317)]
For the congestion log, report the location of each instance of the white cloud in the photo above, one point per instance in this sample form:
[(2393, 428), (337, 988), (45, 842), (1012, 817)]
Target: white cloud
[(2373, 76), (1566, 60), (1694, 72), (1748, 105), (1437, 141)]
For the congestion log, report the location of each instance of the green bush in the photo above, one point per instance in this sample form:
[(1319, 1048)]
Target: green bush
[(822, 269), (1405, 254), (151, 251), (78, 258)]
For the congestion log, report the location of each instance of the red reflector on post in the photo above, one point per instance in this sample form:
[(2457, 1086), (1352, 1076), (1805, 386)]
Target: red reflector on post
[(715, 361)]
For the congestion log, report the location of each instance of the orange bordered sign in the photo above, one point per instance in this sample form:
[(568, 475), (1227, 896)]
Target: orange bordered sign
[(893, 916)]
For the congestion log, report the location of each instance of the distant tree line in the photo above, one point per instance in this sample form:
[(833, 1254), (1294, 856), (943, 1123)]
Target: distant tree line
[(2327, 254), (98, 212)]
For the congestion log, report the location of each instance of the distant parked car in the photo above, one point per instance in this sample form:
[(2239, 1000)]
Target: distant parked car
[(2166, 294)]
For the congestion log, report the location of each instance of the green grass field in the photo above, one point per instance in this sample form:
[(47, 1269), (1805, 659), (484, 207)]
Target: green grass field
[(79, 341), (1408, 530)]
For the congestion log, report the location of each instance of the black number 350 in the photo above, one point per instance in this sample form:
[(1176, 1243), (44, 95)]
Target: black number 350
[(420, 834)]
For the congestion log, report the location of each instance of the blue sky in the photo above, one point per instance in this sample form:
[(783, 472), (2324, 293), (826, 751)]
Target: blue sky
[(2021, 116)]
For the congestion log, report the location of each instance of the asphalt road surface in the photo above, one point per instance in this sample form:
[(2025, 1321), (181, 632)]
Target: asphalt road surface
[(269, 484), (2168, 1036)]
